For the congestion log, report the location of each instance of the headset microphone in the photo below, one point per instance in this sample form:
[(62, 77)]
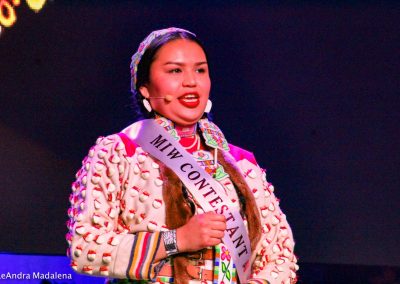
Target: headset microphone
[(167, 98)]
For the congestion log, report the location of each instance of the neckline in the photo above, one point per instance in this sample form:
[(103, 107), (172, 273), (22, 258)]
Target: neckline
[(211, 133), (186, 131)]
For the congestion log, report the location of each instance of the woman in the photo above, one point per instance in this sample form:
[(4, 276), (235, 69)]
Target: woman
[(136, 215)]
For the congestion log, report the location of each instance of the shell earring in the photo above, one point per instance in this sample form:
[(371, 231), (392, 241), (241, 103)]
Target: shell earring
[(147, 105), (208, 106)]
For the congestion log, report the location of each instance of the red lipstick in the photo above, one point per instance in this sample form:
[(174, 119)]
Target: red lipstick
[(189, 100)]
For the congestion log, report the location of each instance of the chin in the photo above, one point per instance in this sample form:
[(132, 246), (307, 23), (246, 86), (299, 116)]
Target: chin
[(188, 120)]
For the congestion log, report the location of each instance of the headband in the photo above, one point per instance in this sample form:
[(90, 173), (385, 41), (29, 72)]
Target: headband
[(142, 49)]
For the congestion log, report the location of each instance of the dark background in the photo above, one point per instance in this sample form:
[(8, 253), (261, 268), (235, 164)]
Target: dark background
[(312, 89)]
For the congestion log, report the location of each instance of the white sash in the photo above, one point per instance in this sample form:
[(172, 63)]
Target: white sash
[(209, 193)]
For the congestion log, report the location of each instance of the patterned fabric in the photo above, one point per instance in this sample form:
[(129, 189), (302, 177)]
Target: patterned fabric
[(213, 136), (142, 49), (117, 206), (142, 257), (98, 237), (224, 268), (168, 125)]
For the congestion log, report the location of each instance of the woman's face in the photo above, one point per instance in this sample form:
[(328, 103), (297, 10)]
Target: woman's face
[(179, 71)]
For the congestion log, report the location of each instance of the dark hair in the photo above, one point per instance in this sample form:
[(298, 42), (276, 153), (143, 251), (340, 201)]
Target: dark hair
[(143, 70)]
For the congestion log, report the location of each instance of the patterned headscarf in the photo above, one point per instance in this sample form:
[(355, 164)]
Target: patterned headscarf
[(142, 49)]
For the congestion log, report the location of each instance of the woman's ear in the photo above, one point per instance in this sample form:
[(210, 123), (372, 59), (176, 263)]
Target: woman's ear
[(144, 91)]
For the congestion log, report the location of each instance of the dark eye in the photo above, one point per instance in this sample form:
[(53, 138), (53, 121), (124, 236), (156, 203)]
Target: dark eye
[(201, 70), (175, 70)]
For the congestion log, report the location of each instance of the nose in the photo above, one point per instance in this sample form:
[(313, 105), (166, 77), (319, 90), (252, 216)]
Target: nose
[(189, 79)]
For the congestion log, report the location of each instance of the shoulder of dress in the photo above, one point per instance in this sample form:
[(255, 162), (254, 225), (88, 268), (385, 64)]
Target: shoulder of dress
[(116, 141), (241, 154), (130, 146), (126, 137)]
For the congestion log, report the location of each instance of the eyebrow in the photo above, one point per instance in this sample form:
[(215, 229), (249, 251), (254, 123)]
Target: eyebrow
[(182, 64)]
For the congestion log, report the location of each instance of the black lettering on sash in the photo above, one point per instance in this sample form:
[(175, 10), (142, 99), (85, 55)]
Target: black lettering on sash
[(174, 154), (215, 201), (158, 141), (212, 190), (239, 240), (244, 250), (202, 181), (230, 216), (222, 209), (232, 231), (193, 175), (184, 166), (165, 147)]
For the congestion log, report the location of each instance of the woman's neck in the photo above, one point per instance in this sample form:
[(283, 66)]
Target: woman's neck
[(182, 130)]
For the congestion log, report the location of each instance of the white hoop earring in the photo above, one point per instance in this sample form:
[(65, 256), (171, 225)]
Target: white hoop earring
[(147, 105), (208, 106)]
